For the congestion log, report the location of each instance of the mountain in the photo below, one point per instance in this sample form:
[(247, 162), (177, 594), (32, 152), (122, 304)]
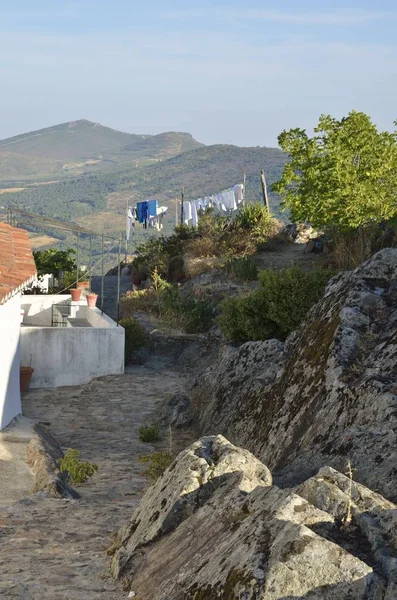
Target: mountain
[(83, 146), (97, 200)]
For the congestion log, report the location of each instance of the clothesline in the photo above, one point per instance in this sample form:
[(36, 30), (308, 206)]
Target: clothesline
[(148, 213), (226, 201), (151, 215)]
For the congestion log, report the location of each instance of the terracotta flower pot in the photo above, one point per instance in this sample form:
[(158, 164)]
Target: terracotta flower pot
[(83, 285), (25, 377), (76, 294), (91, 300)]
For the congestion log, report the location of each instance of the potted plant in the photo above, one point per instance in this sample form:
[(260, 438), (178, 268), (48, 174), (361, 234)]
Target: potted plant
[(91, 300), (76, 294), (25, 377), (83, 285)]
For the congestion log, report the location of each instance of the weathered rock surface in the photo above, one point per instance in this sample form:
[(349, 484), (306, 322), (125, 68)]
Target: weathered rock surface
[(43, 455), (328, 395), (214, 527)]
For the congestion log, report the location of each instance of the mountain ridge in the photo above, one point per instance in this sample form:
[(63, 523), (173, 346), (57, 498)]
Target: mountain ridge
[(75, 147)]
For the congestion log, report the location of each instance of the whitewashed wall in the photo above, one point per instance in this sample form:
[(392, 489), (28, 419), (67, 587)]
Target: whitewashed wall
[(10, 397), (71, 356)]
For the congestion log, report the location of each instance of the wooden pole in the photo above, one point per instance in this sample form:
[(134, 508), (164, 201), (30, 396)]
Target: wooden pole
[(182, 200), (264, 190)]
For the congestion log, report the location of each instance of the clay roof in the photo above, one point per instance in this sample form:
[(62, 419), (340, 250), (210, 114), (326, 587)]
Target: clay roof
[(17, 266)]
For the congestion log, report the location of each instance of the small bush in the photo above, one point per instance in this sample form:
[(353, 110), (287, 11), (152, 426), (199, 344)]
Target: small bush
[(77, 471), (135, 337), (243, 268), (157, 463), (149, 433), (277, 308), (201, 247)]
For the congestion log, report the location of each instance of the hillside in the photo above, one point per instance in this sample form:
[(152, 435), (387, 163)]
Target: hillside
[(202, 171), (81, 146)]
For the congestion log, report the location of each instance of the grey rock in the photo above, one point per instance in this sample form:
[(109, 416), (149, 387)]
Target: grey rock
[(186, 485), (176, 412), (328, 395), (230, 534)]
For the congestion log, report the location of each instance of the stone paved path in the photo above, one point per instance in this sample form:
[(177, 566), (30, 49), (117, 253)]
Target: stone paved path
[(55, 549)]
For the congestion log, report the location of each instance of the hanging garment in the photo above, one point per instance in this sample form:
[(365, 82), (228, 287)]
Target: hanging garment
[(152, 207), (194, 215), (142, 211), (130, 222), (229, 200), (239, 192), (187, 212)]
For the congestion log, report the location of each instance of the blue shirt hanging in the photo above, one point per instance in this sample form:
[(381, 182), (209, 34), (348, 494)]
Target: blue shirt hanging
[(152, 208)]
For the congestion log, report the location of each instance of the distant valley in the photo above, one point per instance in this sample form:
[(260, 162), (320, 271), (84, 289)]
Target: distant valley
[(86, 173)]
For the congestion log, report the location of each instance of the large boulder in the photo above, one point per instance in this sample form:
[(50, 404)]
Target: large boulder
[(328, 395), (214, 527)]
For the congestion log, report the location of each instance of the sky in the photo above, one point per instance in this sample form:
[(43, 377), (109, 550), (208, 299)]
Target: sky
[(225, 71)]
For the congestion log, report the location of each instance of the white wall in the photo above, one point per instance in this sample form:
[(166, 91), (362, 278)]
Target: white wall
[(10, 397), (38, 308), (71, 356)]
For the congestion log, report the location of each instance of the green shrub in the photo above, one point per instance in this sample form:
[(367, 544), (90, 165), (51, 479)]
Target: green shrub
[(243, 268), (77, 471), (277, 308), (135, 336), (149, 433), (197, 315), (157, 463)]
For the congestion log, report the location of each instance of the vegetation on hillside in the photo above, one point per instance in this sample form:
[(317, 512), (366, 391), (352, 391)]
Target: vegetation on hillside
[(344, 177), (82, 146), (276, 308)]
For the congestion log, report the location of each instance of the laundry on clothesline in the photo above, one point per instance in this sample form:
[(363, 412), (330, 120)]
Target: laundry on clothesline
[(225, 202), (130, 221), (156, 221)]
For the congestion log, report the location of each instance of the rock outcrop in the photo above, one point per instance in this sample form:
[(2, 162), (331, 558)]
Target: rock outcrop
[(328, 395), (214, 527)]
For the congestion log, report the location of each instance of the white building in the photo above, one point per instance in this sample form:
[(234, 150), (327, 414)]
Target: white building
[(17, 270), (68, 343)]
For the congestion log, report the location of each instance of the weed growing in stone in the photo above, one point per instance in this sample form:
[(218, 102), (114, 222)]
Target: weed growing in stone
[(76, 470), (157, 463), (149, 433)]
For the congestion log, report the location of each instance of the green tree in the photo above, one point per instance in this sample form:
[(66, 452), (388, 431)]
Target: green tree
[(53, 261), (344, 176)]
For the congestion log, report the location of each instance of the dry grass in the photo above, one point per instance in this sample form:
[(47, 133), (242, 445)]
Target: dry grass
[(197, 266), (10, 190), (42, 240), (202, 247)]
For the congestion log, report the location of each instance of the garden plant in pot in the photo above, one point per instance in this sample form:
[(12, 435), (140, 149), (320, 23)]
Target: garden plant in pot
[(25, 377)]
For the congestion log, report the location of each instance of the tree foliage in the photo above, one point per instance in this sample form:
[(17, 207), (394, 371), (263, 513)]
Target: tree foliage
[(344, 176), (53, 261)]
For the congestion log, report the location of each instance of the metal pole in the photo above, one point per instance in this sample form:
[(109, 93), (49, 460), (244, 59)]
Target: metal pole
[(126, 241), (103, 275), (182, 199), (118, 284), (77, 259), (90, 259)]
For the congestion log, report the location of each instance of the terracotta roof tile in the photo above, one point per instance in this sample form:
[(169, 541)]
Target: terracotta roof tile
[(17, 266)]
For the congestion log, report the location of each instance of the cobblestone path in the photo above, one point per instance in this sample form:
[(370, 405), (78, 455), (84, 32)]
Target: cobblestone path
[(55, 549)]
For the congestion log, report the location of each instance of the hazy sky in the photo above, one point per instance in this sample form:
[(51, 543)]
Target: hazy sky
[(229, 72)]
